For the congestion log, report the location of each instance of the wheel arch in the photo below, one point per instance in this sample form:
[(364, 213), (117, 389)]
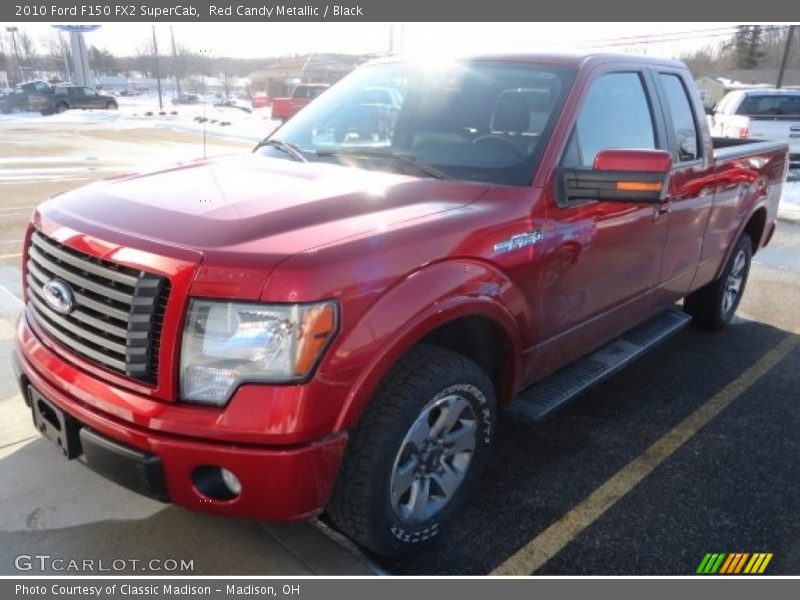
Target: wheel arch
[(459, 321), (756, 226)]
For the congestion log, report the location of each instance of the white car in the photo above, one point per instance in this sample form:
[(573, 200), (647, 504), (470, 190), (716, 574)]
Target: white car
[(762, 114)]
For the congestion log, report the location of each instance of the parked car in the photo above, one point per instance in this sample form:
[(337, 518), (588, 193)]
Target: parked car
[(334, 324), (59, 98), (761, 114), (187, 99), (230, 102), (260, 100), (18, 100), (285, 108)]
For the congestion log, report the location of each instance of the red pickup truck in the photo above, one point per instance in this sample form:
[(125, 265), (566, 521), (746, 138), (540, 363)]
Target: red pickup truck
[(285, 108), (335, 322)]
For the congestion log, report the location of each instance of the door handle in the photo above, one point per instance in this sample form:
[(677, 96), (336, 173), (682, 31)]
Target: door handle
[(662, 208)]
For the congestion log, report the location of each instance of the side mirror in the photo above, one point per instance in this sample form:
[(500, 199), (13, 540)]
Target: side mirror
[(635, 176)]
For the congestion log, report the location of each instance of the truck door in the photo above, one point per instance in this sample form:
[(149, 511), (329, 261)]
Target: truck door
[(604, 258), (691, 188)]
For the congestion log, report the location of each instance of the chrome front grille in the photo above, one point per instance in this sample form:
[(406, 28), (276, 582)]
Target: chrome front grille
[(118, 311)]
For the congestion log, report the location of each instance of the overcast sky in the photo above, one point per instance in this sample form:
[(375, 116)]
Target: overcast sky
[(276, 39)]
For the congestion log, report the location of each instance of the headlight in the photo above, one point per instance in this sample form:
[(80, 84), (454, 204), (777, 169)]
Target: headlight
[(227, 343)]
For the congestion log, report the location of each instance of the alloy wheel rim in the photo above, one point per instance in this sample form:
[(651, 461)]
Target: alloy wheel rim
[(734, 282), (433, 459)]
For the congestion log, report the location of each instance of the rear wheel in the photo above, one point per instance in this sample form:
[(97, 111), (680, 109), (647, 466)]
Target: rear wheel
[(61, 107), (415, 457), (713, 306), (111, 105)]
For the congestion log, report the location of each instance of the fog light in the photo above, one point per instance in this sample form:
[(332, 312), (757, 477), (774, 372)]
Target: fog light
[(231, 482)]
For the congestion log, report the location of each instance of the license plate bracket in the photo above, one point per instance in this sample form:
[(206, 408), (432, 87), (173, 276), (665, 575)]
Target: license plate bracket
[(54, 424)]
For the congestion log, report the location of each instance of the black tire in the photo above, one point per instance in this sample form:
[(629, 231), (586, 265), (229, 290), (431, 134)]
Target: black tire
[(708, 306), (111, 105), (61, 107), (362, 503)]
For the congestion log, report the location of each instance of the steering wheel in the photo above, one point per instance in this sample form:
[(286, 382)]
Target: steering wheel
[(497, 140)]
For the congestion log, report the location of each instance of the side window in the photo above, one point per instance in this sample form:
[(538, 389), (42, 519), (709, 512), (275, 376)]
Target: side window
[(615, 114), (683, 123)]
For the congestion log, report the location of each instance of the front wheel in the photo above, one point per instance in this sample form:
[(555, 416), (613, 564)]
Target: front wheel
[(415, 458), (713, 306)]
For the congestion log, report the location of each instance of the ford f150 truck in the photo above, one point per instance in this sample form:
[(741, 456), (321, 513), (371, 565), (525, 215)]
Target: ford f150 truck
[(761, 114), (334, 323), (284, 108)]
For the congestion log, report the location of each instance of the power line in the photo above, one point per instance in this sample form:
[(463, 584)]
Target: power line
[(656, 38), (674, 36)]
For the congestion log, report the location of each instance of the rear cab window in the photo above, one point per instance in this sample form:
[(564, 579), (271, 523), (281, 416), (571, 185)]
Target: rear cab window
[(770, 105), (681, 121)]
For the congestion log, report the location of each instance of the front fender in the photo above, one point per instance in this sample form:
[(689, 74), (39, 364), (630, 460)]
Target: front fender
[(409, 310)]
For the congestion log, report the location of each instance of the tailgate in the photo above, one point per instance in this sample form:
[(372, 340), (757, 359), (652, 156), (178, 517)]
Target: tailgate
[(777, 129)]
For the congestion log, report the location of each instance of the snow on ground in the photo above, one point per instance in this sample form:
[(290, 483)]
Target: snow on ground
[(789, 208), (144, 111)]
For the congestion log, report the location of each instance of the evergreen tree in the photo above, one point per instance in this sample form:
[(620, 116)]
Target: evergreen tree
[(747, 46)]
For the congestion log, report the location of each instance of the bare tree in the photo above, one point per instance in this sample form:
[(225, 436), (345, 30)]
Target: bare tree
[(180, 61), (27, 52), (102, 61), (5, 59), (57, 53), (706, 61), (143, 60)]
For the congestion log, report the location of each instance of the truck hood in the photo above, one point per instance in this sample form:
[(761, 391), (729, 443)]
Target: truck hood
[(256, 208)]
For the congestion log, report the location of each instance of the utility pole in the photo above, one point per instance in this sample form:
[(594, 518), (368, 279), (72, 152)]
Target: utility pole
[(17, 64), (175, 63), (785, 59), (64, 54), (158, 71), (203, 53)]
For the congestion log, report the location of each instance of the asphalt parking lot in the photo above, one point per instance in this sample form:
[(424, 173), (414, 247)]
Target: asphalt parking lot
[(558, 498), (693, 449)]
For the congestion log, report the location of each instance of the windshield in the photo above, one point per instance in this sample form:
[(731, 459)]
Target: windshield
[(480, 121), (770, 105)]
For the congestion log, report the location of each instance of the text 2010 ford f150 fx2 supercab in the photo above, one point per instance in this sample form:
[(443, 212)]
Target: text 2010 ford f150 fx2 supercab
[(335, 321)]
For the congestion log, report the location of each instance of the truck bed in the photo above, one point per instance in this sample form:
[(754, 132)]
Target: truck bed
[(726, 149)]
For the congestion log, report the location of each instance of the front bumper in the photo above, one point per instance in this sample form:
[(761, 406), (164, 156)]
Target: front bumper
[(277, 483)]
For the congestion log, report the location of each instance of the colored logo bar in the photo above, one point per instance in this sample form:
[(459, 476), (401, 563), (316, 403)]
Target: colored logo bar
[(735, 563)]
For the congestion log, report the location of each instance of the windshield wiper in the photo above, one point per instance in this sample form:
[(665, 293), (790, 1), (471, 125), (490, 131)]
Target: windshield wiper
[(405, 159), (290, 149)]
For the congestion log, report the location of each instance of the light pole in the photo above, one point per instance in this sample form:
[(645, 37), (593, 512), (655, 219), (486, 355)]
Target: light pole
[(785, 59), (158, 71), (13, 32), (175, 66)]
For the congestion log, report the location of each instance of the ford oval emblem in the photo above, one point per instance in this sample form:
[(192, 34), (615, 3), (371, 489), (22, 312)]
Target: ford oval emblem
[(59, 296)]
